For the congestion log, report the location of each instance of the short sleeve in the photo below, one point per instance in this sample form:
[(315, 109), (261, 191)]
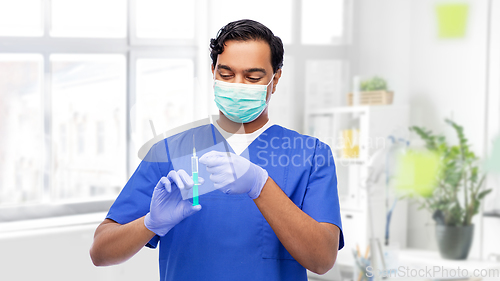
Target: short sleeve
[(134, 200), (321, 200)]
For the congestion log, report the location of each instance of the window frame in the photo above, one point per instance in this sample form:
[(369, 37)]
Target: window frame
[(134, 56), (131, 48), (492, 102), (343, 49), (137, 41), (134, 48)]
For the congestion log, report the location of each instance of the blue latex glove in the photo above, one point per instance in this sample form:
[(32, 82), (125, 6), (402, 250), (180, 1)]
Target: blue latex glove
[(167, 207), (247, 177)]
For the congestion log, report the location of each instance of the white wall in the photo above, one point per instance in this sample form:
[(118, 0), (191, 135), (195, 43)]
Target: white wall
[(62, 254), (493, 201), (439, 78), (383, 40), (448, 81), (448, 75)]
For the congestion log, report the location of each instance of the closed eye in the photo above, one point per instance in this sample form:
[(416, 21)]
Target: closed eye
[(253, 79), (227, 76)]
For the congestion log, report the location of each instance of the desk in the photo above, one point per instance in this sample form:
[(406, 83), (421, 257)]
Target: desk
[(423, 265), (428, 265)]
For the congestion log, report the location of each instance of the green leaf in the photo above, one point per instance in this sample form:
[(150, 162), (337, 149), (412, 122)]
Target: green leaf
[(483, 193), (374, 84), (458, 169), (474, 174), (426, 136)]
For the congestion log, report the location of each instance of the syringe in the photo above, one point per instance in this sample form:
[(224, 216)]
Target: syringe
[(194, 169)]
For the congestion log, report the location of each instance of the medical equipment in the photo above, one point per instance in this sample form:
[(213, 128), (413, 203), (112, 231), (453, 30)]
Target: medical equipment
[(167, 199), (240, 103), (194, 170), (383, 162)]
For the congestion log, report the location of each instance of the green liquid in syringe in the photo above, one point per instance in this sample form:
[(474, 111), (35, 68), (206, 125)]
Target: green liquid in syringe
[(195, 189), (194, 171)]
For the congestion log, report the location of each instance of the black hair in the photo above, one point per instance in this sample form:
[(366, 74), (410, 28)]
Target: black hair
[(243, 30)]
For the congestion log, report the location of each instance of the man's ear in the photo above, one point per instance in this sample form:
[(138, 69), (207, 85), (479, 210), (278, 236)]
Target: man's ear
[(276, 78)]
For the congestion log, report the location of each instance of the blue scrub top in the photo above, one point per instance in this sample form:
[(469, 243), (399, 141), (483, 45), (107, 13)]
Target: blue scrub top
[(229, 239)]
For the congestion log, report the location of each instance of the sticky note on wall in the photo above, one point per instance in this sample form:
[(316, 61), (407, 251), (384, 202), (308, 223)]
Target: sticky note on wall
[(452, 20), (417, 172)]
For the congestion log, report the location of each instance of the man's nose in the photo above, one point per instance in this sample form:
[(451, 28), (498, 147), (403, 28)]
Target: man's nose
[(239, 79)]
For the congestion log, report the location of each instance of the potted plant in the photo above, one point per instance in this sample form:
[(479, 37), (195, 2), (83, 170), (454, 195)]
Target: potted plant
[(373, 91), (457, 194), (374, 84)]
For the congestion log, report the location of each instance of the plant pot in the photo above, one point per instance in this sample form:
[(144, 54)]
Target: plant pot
[(454, 241), (381, 97)]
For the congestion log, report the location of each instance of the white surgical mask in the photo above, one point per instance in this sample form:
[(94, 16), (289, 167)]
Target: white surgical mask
[(240, 103)]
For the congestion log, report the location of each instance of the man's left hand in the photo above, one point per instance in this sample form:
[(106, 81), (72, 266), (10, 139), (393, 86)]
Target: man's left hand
[(233, 174)]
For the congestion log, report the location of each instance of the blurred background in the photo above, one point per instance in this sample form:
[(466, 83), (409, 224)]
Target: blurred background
[(82, 81)]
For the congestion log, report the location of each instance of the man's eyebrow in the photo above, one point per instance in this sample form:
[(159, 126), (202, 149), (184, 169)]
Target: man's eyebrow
[(250, 70), (256, 69), (223, 66)]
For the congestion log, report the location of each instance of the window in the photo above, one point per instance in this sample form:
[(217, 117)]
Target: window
[(21, 18), (89, 82), (316, 35), (68, 97), (319, 14), (323, 88), (21, 127), (88, 18), (164, 96), (264, 11), (88, 108), (161, 19)]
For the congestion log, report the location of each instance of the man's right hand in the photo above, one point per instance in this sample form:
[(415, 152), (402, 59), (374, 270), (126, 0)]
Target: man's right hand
[(167, 207)]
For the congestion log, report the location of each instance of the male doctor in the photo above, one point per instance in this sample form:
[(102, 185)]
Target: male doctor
[(278, 213)]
